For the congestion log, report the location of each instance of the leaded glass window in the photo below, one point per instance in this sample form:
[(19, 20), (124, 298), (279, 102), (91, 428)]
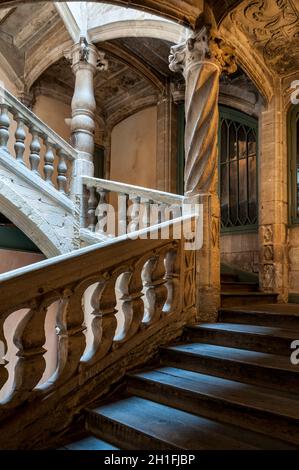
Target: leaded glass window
[(238, 149), (293, 141)]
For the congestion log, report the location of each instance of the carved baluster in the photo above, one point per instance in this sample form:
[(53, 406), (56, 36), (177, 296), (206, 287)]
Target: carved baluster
[(104, 323), (134, 213), (122, 213), (49, 161), (91, 212), (155, 289), (29, 337), (35, 147), (4, 126), (173, 269), (3, 349), (102, 212), (20, 136), (131, 287), (70, 331), (62, 171)]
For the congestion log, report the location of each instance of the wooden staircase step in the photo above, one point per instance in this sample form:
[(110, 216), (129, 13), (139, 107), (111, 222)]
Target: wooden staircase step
[(239, 298), (136, 423), (252, 337), (275, 315), (257, 408), (89, 443), (249, 366)]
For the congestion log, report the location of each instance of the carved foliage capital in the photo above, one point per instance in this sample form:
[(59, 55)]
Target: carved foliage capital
[(200, 47), (84, 54)]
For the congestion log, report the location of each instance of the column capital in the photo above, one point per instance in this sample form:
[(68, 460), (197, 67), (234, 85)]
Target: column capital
[(85, 55), (202, 46)]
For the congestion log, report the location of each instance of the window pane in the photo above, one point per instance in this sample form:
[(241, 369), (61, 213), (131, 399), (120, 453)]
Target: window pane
[(242, 149), (297, 166), (252, 196)]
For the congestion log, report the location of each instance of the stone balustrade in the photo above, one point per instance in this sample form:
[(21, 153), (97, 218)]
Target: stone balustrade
[(114, 208), (146, 280), (34, 144)]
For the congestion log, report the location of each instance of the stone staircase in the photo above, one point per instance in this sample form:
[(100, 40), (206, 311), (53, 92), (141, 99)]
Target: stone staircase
[(242, 289), (227, 385)]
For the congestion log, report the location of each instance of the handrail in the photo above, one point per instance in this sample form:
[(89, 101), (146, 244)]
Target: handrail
[(36, 122)]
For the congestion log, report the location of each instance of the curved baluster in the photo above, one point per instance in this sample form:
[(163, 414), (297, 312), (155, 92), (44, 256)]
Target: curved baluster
[(104, 323), (91, 212), (29, 338), (20, 136), (70, 331), (155, 289), (131, 287), (134, 213), (101, 212), (62, 171), (3, 371), (49, 160), (4, 126), (172, 268), (35, 148)]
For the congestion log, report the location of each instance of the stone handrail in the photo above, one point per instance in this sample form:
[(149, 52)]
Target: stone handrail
[(137, 207), (46, 149), (121, 274)]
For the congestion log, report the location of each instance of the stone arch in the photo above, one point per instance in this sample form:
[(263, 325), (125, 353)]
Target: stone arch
[(157, 29), (20, 212)]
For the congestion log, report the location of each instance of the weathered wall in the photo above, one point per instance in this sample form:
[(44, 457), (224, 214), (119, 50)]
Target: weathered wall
[(53, 113), (133, 149), (241, 250)]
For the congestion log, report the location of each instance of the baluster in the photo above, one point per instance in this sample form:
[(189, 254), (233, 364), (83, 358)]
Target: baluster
[(134, 213), (20, 136), (4, 126), (172, 268), (146, 205), (91, 212), (35, 148), (3, 349), (102, 212), (49, 160), (62, 171), (155, 289), (29, 338), (70, 331), (161, 212), (122, 213), (104, 323), (131, 287)]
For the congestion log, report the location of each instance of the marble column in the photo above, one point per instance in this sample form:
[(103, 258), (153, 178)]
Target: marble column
[(86, 60), (201, 59)]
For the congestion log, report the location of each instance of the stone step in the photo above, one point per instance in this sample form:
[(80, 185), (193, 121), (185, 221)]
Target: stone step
[(240, 298), (256, 408), (135, 423), (231, 286), (277, 315), (252, 337), (238, 364), (229, 277), (89, 443)]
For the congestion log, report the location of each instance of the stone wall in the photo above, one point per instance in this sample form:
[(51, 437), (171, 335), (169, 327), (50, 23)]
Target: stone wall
[(241, 250)]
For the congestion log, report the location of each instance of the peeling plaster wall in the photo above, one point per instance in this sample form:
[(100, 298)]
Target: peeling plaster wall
[(133, 150)]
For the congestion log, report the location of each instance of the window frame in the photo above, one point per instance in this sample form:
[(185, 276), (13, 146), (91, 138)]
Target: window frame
[(225, 112)]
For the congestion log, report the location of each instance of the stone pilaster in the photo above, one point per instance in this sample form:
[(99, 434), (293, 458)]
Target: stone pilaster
[(86, 60), (273, 200), (166, 143), (202, 58)]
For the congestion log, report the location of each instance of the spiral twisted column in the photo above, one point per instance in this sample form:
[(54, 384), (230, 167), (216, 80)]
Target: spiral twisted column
[(202, 58)]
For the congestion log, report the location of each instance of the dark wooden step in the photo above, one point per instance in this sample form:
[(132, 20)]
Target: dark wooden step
[(230, 286), (277, 315), (257, 408), (89, 443), (240, 298), (136, 423), (246, 366), (252, 337), (229, 277)]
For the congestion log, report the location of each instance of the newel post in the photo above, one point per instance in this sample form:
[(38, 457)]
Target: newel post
[(201, 59), (86, 60)]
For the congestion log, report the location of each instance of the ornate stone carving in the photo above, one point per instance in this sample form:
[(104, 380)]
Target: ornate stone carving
[(273, 28), (201, 59)]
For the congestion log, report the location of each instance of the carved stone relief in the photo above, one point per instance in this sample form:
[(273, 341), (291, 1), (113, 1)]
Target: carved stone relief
[(273, 28)]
